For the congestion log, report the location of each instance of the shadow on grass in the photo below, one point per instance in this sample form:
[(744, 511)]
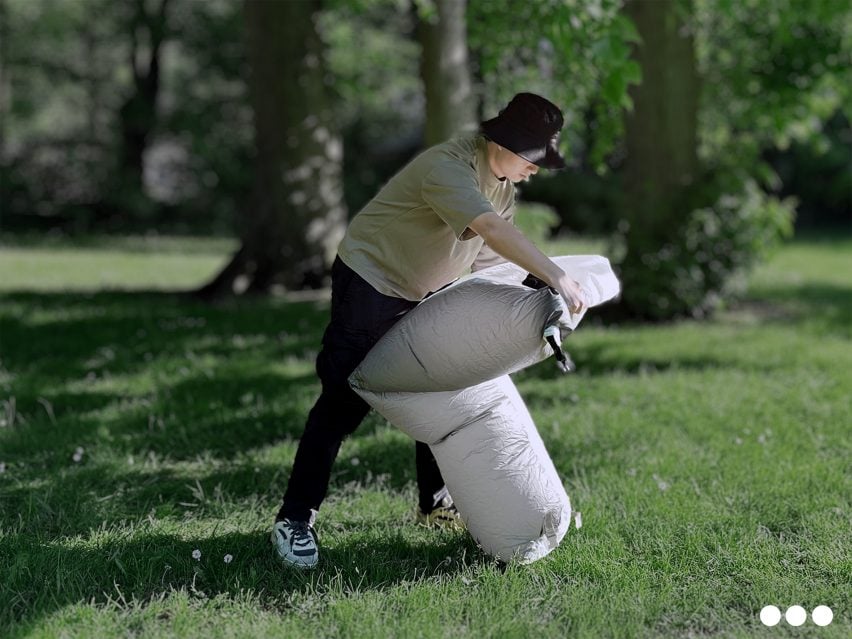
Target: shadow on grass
[(820, 310), (154, 373), (77, 499), (41, 580), (827, 306), (596, 360), (218, 417), (158, 378), (58, 337)]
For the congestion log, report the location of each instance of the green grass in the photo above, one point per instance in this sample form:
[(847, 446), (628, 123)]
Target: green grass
[(98, 263), (710, 461)]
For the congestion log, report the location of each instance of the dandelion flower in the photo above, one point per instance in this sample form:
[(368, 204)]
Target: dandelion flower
[(196, 554), (229, 559), (78, 455)]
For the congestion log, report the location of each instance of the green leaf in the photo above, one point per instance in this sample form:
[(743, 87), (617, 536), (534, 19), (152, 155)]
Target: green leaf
[(626, 30), (614, 87), (632, 72), (602, 49)]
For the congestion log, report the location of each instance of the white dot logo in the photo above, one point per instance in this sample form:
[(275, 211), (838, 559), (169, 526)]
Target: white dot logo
[(822, 615), (796, 615), (770, 615)]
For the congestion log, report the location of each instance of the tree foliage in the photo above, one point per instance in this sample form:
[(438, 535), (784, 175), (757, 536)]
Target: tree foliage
[(771, 75), (773, 72), (576, 52), (69, 71), (764, 81), (62, 81)]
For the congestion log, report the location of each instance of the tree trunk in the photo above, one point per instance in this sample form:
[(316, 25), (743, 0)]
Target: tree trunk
[(296, 216), (5, 80), (445, 71), (138, 113), (661, 141)]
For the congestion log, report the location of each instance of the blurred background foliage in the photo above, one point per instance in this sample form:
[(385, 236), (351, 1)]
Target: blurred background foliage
[(136, 116)]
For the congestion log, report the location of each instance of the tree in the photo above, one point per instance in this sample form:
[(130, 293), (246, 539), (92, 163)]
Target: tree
[(774, 72), (698, 210), (444, 69), (57, 150), (294, 220), (661, 141), (576, 53), (138, 113)]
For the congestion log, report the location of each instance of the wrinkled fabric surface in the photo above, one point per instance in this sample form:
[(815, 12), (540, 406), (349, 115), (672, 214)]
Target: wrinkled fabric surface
[(441, 375)]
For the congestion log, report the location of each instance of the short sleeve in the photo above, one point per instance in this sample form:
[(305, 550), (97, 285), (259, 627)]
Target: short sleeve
[(452, 191)]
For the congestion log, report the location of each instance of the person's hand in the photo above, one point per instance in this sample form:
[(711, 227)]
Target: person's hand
[(572, 293)]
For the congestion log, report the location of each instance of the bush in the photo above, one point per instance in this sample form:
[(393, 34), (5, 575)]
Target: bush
[(583, 202), (536, 221), (817, 174), (703, 260)]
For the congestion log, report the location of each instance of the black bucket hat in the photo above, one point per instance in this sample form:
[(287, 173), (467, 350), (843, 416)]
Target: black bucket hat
[(529, 126)]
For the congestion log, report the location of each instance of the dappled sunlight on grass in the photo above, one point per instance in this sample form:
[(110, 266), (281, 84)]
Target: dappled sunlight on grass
[(136, 428)]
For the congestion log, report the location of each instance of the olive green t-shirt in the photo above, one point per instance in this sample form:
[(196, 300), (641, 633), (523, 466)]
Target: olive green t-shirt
[(413, 237)]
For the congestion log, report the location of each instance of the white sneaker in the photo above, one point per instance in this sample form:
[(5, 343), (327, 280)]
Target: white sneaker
[(295, 543)]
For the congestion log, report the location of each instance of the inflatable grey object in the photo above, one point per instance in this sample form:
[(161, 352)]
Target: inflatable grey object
[(441, 375)]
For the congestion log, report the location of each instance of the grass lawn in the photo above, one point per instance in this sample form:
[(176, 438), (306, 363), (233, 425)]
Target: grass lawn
[(711, 462)]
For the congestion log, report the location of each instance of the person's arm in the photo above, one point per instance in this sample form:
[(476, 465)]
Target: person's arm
[(487, 256), (507, 241)]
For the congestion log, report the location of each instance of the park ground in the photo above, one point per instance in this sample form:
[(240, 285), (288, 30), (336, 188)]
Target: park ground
[(710, 461)]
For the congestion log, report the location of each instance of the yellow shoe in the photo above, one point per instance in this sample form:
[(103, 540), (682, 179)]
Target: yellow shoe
[(444, 515)]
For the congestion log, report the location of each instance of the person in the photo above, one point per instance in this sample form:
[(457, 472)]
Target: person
[(450, 209)]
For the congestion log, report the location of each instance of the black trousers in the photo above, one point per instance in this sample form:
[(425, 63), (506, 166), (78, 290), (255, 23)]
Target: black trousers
[(360, 316)]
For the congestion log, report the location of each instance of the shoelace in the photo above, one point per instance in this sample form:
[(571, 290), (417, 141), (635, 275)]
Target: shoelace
[(300, 534)]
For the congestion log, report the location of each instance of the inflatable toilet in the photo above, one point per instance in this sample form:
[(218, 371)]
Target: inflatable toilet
[(441, 375)]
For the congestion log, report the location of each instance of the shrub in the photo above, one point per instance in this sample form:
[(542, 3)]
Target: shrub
[(702, 260), (536, 221)]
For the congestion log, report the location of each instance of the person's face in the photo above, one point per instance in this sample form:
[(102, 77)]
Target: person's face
[(514, 167)]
